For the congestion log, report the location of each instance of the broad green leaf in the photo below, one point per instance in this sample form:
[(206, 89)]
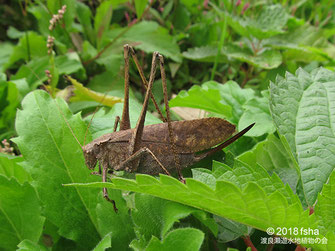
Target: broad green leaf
[(6, 50), (226, 100), (256, 110), (22, 86), (205, 32), (270, 22), (325, 208), (85, 18), (83, 93), (88, 51), (140, 7), (14, 33), (10, 167), (30, 46), (273, 18), (205, 176), (28, 245), (149, 37), (34, 71), (20, 213), (104, 243), (301, 106), (153, 216), (190, 3), (53, 157), (266, 58), (42, 16), (203, 98), (112, 59), (9, 101), (204, 54), (187, 239), (303, 44), (230, 230), (226, 230), (102, 19), (181, 17), (272, 155), (253, 198), (243, 173)]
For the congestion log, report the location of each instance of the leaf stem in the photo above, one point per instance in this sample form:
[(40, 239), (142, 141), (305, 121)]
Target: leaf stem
[(249, 243)]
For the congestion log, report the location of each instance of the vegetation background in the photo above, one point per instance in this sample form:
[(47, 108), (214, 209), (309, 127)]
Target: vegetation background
[(269, 62)]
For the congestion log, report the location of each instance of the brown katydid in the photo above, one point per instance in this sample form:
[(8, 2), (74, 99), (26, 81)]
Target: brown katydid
[(157, 148)]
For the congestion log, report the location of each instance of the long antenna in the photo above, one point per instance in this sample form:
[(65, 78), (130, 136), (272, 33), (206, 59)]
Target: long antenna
[(95, 111), (67, 123)]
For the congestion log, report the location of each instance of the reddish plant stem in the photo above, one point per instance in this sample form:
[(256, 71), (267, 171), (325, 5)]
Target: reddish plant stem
[(249, 243)]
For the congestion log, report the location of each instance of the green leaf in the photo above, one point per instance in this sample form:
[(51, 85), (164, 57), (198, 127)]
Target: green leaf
[(183, 239), (29, 47), (104, 243), (42, 16), (28, 245), (85, 18), (203, 98), (325, 207), (181, 17), (190, 3), (14, 33), (266, 58), (20, 214), (257, 110), (272, 155), (246, 194), (6, 50), (140, 7), (226, 100), (34, 71), (83, 93), (301, 106), (149, 37), (270, 22), (230, 230), (155, 217), (303, 44), (53, 157), (204, 54), (11, 168), (102, 19), (9, 101)]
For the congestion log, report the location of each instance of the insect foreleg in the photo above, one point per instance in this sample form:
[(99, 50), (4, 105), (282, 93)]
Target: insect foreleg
[(104, 190), (137, 155), (145, 82)]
